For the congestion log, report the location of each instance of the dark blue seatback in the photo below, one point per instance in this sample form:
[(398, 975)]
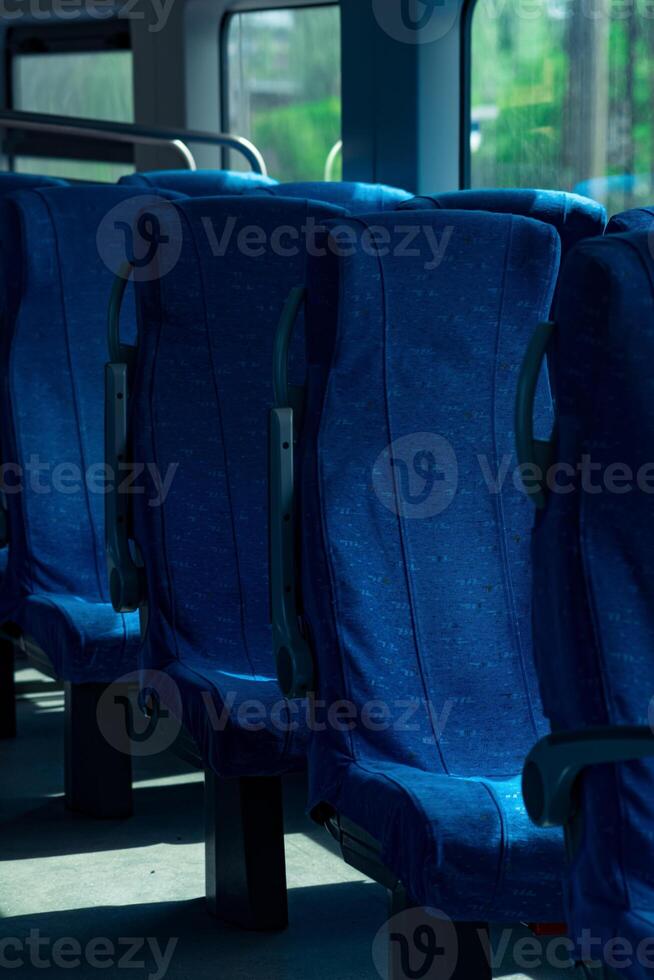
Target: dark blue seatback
[(202, 395), (573, 216), (354, 196), (415, 573), (637, 219), (10, 182), (199, 183), (593, 552), (60, 250)]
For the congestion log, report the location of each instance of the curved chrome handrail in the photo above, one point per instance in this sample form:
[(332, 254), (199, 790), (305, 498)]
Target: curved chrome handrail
[(331, 159), (133, 133)]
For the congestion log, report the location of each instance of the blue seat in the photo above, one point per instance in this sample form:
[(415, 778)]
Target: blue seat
[(354, 196), (415, 574), (10, 182), (593, 553), (198, 183), (637, 219), (200, 404), (60, 249), (573, 216)]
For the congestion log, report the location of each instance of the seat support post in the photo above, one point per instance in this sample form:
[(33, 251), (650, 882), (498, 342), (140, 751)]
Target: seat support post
[(244, 851), (98, 776), (460, 951), (7, 689)]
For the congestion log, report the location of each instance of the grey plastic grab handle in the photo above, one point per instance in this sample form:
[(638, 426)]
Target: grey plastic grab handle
[(556, 761), (293, 655), (126, 578), (126, 586), (532, 452)]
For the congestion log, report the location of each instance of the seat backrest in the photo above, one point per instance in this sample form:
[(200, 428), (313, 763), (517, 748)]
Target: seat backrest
[(60, 250), (11, 182), (636, 219), (415, 573), (202, 395), (199, 183), (354, 196), (593, 557), (573, 216)]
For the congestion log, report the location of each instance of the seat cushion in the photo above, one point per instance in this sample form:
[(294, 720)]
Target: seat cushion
[(354, 196), (240, 723), (199, 183), (85, 641), (636, 219), (465, 845), (574, 217)]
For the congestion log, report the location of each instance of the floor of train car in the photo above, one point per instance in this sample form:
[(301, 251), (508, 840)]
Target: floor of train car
[(64, 876)]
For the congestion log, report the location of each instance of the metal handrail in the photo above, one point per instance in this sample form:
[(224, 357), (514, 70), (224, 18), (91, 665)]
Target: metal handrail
[(133, 133), (331, 159)]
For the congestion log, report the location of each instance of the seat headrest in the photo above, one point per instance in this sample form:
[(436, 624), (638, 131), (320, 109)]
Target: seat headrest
[(636, 219), (573, 216), (199, 183), (356, 197)]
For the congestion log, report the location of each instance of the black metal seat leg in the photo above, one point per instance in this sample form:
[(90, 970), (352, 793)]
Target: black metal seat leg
[(244, 851), (422, 945), (7, 689), (98, 775)]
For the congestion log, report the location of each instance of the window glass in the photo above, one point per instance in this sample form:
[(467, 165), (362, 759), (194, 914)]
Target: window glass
[(92, 170), (561, 97), (90, 84), (284, 88)]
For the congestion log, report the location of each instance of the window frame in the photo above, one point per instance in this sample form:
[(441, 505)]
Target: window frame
[(465, 62), (249, 7), (83, 37)]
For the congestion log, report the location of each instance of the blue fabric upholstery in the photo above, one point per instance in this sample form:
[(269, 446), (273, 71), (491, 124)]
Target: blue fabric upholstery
[(59, 259), (11, 182), (573, 216), (593, 550), (199, 183), (637, 219), (427, 613), (201, 399), (355, 197)]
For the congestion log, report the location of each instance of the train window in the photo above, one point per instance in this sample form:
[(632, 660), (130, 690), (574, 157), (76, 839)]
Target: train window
[(283, 88), (81, 71), (561, 97)]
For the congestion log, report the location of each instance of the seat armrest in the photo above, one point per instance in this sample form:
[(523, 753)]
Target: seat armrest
[(556, 761)]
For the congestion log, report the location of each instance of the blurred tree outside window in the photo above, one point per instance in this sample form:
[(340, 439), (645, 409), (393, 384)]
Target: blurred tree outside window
[(561, 96), (284, 87)]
